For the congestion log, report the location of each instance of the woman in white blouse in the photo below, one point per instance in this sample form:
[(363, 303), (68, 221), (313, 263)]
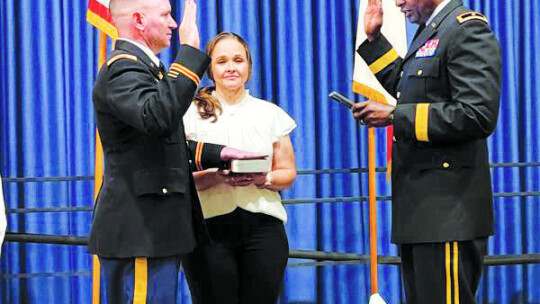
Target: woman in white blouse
[(247, 258)]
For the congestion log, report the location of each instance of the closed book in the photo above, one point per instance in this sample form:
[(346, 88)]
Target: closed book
[(250, 165)]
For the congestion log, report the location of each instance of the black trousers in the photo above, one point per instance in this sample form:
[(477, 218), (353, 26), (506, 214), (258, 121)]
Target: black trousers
[(244, 264), (442, 273)]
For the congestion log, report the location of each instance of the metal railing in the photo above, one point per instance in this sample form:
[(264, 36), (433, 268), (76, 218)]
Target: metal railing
[(313, 258), (321, 258)]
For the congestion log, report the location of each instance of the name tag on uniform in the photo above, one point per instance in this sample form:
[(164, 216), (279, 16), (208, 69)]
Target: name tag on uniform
[(429, 49)]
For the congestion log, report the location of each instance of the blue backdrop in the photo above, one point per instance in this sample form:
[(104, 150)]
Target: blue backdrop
[(301, 50)]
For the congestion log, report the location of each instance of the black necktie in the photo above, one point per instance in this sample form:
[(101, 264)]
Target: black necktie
[(161, 68), (420, 29)]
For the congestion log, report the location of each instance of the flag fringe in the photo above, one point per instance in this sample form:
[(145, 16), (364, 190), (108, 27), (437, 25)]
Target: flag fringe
[(369, 92)]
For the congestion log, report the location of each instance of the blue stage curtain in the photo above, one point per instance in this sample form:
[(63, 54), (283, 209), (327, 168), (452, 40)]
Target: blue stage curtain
[(301, 50), (48, 64), (517, 25)]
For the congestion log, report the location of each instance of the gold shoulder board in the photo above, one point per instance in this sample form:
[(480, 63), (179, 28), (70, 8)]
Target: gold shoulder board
[(467, 16), (121, 56)]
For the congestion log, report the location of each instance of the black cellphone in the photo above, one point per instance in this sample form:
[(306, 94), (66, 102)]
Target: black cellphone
[(341, 99)]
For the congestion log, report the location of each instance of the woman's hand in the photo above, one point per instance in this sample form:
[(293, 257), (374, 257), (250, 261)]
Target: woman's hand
[(211, 177), (263, 180), (242, 179)]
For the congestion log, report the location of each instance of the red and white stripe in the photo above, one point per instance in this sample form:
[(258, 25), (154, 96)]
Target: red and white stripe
[(99, 16)]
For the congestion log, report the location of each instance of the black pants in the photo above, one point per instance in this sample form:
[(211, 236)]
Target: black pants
[(442, 273), (245, 264)]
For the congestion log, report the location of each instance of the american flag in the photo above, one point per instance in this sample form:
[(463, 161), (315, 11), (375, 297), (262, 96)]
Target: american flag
[(98, 15)]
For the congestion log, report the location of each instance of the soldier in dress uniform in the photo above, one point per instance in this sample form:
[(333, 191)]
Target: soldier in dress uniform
[(148, 215), (447, 89)]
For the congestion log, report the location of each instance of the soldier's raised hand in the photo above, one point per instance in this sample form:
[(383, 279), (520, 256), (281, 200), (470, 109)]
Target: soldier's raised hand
[(373, 19), (189, 32)]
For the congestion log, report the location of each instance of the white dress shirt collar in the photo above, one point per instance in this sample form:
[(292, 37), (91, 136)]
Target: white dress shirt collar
[(437, 10)]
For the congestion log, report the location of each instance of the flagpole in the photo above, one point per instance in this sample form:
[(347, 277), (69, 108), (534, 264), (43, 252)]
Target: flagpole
[(98, 177), (366, 83), (372, 192)]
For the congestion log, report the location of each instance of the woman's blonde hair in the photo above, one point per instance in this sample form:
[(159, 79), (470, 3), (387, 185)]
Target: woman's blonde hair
[(207, 104)]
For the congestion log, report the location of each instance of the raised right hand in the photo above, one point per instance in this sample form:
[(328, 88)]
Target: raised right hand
[(189, 32), (373, 19)]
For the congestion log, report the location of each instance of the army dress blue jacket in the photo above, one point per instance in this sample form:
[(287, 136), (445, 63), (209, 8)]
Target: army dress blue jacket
[(148, 205), (447, 89)]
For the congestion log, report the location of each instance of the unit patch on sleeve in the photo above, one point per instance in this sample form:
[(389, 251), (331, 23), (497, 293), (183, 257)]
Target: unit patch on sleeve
[(429, 49)]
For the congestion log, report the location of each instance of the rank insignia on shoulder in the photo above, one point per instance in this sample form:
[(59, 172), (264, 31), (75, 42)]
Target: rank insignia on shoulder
[(467, 16), (429, 49), (121, 56)]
